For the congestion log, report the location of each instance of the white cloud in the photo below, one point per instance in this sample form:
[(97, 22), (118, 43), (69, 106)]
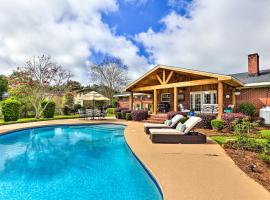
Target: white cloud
[(216, 37), (64, 29)]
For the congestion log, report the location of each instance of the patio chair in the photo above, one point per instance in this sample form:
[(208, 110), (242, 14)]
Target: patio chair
[(82, 113), (175, 120), (182, 108), (177, 136), (88, 113)]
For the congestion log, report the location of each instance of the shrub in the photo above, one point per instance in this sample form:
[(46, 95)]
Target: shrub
[(258, 120), (111, 110), (206, 120), (265, 157), (76, 107), (49, 110), (247, 109), (128, 116), (245, 143), (217, 124), (66, 110), (118, 115), (229, 118), (114, 103), (139, 115), (120, 109), (123, 113), (11, 110), (171, 114), (244, 127)]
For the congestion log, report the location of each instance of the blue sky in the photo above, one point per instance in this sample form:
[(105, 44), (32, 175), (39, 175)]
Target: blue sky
[(206, 35), (134, 17)]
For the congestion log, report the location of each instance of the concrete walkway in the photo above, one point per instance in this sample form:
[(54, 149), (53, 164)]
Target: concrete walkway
[(193, 172)]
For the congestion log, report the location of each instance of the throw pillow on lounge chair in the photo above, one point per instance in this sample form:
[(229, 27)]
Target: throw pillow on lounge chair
[(168, 122), (181, 127)]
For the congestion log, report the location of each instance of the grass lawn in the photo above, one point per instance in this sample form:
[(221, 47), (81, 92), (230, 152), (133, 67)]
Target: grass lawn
[(25, 120), (110, 115), (223, 139), (265, 133), (220, 139)]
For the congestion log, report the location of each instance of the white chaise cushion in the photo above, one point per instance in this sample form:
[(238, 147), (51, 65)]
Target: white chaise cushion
[(191, 123), (176, 119)]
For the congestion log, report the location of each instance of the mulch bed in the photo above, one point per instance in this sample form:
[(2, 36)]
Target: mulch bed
[(245, 159)]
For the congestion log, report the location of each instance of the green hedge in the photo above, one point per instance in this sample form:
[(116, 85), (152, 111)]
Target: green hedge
[(217, 124), (128, 116), (49, 110), (118, 115), (111, 110), (11, 110), (247, 109)]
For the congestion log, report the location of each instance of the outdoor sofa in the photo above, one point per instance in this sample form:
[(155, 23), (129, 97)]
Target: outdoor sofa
[(174, 120), (176, 136)]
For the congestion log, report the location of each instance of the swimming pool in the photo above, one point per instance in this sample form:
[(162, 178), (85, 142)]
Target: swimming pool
[(77, 162)]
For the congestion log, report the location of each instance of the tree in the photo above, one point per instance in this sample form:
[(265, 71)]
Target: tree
[(110, 75), (3, 86), (73, 85), (38, 80)]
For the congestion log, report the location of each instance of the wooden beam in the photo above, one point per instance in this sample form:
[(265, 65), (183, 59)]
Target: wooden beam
[(233, 98), (169, 77), (131, 101), (220, 99), (164, 76), (155, 102), (159, 79), (175, 99), (179, 84)]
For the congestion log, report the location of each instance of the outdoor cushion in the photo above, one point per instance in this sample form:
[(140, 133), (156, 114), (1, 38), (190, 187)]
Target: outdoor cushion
[(168, 122), (181, 127), (191, 123), (155, 125), (165, 131), (176, 119)]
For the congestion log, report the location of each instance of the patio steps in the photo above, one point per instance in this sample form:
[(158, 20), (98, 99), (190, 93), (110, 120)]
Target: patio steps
[(157, 119)]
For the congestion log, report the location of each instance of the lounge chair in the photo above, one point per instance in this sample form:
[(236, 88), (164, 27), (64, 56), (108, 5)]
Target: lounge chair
[(175, 121), (176, 136)]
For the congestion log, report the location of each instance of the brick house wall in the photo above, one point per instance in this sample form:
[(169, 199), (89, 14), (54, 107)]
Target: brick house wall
[(257, 96), (143, 101)]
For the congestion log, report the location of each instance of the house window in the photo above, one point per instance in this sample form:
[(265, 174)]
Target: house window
[(165, 97), (197, 99), (207, 98), (214, 98)]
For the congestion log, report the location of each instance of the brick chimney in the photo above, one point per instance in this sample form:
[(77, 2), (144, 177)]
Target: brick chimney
[(253, 64)]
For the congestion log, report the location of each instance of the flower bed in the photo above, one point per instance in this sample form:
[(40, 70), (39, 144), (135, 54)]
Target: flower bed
[(139, 115)]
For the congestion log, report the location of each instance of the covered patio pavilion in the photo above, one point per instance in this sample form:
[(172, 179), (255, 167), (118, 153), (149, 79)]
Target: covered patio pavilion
[(190, 88)]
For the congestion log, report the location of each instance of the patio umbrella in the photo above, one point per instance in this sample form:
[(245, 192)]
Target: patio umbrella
[(94, 96)]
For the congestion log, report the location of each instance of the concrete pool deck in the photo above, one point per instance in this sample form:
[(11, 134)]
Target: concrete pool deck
[(183, 171)]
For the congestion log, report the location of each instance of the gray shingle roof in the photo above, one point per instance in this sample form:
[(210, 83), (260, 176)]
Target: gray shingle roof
[(245, 78)]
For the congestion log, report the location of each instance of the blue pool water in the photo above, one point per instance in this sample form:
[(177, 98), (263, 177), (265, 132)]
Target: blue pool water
[(72, 163)]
